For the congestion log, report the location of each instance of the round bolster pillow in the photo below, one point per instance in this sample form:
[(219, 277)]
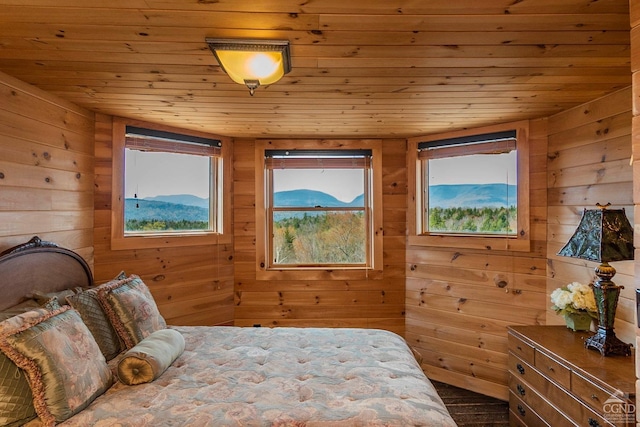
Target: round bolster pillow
[(148, 359)]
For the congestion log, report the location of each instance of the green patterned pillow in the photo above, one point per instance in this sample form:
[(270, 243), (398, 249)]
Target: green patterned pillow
[(131, 309), (65, 368), (16, 400), (86, 302), (88, 305)]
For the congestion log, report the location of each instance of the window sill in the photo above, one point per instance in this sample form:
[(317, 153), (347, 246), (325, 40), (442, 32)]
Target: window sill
[(162, 241), (472, 242), (319, 274)]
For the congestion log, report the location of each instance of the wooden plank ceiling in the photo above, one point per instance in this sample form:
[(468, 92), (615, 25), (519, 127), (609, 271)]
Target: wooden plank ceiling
[(361, 68)]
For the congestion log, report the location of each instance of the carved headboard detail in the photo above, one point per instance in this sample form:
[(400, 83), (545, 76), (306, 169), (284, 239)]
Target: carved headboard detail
[(38, 265)]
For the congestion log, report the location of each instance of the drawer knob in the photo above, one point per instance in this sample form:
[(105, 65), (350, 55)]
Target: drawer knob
[(594, 423), (520, 369), (594, 397), (551, 368), (521, 410), (520, 390)]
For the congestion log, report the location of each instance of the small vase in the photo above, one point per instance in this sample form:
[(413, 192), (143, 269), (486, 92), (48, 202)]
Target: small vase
[(578, 321)]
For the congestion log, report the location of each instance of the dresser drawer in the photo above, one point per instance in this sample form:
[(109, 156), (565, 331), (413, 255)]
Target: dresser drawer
[(573, 408), (522, 371), (588, 392), (585, 416), (521, 349), (528, 395), (553, 369), (521, 415), (603, 401)]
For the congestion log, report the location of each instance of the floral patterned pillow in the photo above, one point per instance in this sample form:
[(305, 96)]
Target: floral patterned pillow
[(65, 368), (131, 309)]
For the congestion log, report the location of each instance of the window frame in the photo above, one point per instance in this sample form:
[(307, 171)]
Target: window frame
[(521, 241), (122, 240), (266, 270)]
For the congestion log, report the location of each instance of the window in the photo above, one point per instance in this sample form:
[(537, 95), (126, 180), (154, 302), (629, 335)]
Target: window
[(473, 185), (170, 182), (470, 185), (170, 186), (319, 208)]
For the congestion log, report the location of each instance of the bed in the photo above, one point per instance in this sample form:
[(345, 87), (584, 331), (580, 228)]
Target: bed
[(147, 373)]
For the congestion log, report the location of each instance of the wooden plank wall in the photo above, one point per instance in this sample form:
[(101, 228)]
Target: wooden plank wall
[(46, 169), (459, 301), (191, 285), (635, 132), (589, 163), (377, 302)]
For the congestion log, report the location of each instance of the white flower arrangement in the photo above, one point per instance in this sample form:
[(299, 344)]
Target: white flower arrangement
[(574, 298)]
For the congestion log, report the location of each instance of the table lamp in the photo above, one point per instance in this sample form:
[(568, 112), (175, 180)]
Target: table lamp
[(603, 235)]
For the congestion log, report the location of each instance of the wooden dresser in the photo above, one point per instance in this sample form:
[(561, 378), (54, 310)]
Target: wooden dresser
[(555, 381)]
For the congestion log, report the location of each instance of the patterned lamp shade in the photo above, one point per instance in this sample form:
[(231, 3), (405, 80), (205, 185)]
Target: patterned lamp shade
[(603, 235)]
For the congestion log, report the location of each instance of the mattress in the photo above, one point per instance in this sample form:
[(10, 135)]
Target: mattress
[(233, 376)]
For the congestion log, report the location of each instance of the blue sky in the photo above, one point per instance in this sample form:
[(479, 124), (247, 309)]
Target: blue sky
[(476, 169), (343, 184), (152, 174)]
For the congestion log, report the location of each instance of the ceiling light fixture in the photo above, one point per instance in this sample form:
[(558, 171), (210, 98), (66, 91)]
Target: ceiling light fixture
[(252, 62)]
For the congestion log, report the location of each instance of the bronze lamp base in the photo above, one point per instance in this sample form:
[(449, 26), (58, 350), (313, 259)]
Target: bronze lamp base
[(606, 294), (608, 344)]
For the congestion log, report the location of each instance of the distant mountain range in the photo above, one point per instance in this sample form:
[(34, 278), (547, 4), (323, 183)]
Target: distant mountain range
[(313, 198), (181, 199), (473, 195), (167, 208), (193, 208), (444, 196)]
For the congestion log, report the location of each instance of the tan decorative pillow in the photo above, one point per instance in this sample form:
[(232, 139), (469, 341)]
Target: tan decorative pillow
[(150, 357), (65, 368), (131, 309)]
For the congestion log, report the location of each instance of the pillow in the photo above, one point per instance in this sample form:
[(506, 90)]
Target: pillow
[(86, 302), (150, 357), (16, 399), (20, 308), (91, 312), (43, 297), (131, 309), (121, 276), (64, 366)]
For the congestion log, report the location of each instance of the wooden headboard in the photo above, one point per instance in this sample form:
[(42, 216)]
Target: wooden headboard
[(39, 266)]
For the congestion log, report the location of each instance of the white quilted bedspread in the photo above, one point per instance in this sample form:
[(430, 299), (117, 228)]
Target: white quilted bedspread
[(231, 376)]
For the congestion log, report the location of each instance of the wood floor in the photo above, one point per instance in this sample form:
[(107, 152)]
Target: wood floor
[(470, 409)]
